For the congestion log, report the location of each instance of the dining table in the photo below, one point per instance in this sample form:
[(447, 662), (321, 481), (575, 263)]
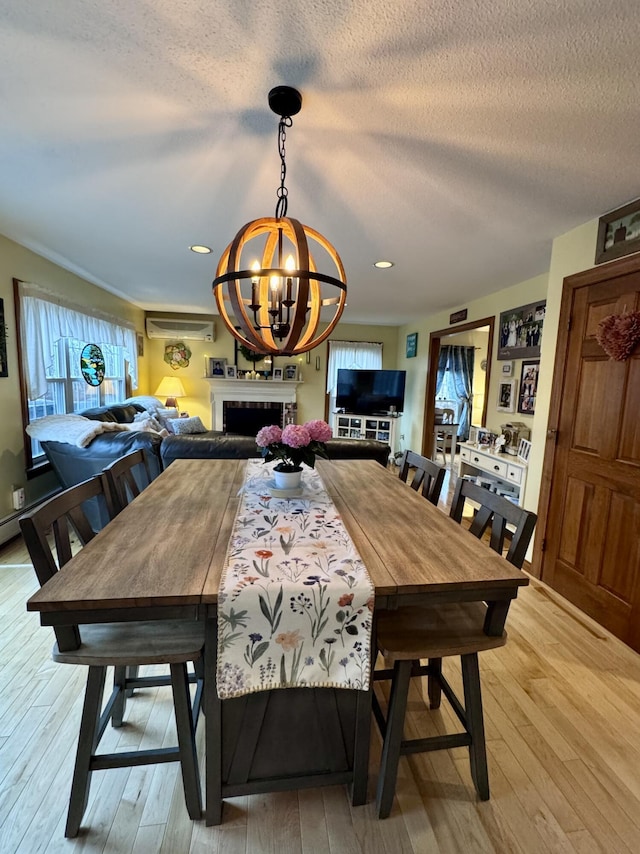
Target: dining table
[(163, 557)]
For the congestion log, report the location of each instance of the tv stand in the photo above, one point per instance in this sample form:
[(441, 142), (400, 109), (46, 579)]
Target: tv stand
[(349, 425)]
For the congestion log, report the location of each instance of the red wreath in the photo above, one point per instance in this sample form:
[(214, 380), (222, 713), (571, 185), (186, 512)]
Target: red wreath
[(618, 334)]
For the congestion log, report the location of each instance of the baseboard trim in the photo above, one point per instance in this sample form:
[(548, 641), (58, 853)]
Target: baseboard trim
[(10, 525)]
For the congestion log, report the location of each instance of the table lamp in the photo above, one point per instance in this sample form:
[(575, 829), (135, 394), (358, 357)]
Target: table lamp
[(171, 388)]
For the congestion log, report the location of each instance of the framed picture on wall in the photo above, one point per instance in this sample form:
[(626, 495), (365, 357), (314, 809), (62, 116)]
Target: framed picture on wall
[(290, 372), (277, 373), (4, 368), (412, 345), (520, 331), (619, 233), (216, 367), (528, 387), (507, 395)]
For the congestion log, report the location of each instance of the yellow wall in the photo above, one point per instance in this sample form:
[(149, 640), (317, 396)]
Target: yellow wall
[(571, 253), (20, 263), (310, 395)]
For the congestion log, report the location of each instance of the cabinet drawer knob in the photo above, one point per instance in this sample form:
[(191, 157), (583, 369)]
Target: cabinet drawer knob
[(476, 459), (496, 468)]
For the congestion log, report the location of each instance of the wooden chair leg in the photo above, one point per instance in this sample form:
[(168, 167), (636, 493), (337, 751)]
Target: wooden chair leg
[(393, 738), (120, 704), (434, 686), (87, 744), (475, 724), (186, 740)]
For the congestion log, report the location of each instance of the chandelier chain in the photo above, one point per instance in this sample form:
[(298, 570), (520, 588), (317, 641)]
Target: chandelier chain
[(282, 193)]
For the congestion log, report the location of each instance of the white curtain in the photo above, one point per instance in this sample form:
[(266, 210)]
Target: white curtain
[(46, 318), (359, 355)]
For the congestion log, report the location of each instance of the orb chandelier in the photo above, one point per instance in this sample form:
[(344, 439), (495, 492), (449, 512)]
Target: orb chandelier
[(269, 292)]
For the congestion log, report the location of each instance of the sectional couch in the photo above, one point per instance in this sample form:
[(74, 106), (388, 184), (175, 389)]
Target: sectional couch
[(73, 464)]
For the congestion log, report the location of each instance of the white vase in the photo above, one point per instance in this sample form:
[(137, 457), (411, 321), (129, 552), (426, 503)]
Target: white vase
[(287, 479)]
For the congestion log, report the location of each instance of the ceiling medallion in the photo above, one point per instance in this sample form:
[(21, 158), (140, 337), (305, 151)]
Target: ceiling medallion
[(270, 295)]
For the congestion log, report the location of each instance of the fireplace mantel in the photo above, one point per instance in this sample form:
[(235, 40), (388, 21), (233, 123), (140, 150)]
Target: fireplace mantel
[(222, 390)]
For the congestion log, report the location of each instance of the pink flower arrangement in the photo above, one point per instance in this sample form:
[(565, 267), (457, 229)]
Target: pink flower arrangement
[(296, 444), (319, 430)]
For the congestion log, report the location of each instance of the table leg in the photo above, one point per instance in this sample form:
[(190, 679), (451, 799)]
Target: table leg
[(496, 617), (360, 781), (213, 726)]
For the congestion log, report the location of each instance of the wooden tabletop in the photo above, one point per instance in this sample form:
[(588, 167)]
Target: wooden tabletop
[(407, 544), (160, 549), (168, 547)]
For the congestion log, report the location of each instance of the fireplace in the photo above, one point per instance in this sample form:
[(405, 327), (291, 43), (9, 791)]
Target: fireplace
[(247, 417), (253, 400)]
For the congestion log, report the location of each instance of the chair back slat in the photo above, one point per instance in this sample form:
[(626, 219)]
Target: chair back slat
[(428, 475), (497, 511), (127, 477)]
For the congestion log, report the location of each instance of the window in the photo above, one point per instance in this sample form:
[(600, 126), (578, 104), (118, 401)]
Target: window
[(361, 355), (52, 335)]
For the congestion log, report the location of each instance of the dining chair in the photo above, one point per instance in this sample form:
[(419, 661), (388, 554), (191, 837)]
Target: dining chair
[(118, 645), (124, 479), (427, 474), (127, 477), (409, 634), (443, 416)]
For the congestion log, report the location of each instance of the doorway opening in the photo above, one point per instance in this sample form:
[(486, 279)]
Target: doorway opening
[(474, 407)]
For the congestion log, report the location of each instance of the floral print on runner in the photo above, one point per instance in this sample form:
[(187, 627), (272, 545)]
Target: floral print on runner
[(295, 601)]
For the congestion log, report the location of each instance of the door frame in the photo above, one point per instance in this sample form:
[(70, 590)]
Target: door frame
[(586, 278), (432, 373)]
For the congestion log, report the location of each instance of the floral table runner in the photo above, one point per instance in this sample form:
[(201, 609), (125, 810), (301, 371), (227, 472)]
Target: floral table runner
[(295, 600)]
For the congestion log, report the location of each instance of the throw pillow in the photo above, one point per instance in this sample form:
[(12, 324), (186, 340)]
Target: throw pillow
[(184, 426), (147, 402), (163, 415)]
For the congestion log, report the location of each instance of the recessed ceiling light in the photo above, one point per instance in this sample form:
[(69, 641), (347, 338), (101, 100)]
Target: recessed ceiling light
[(201, 250), (383, 265)]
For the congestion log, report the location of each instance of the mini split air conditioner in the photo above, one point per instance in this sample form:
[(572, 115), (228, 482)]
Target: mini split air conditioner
[(180, 328)]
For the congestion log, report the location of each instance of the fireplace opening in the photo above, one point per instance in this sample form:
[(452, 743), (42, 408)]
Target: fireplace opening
[(245, 418)]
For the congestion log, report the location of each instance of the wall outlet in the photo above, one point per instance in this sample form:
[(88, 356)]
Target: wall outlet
[(18, 498)]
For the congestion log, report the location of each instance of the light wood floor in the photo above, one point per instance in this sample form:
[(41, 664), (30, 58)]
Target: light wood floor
[(562, 709)]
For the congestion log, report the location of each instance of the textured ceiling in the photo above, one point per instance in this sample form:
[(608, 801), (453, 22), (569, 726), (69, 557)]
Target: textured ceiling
[(455, 137)]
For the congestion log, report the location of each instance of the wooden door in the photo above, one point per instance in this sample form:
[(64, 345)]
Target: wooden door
[(592, 535)]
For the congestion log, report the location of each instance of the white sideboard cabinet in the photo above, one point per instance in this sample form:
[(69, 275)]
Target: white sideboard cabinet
[(501, 473)]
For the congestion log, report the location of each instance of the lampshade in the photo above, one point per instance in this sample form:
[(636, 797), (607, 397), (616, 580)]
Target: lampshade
[(268, 290), (171, 388)]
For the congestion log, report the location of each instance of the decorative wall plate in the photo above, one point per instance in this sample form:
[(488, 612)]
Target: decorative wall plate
[(177, 355), (92, 364)]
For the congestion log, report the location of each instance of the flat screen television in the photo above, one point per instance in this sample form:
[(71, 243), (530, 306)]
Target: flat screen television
[(370, 392)]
